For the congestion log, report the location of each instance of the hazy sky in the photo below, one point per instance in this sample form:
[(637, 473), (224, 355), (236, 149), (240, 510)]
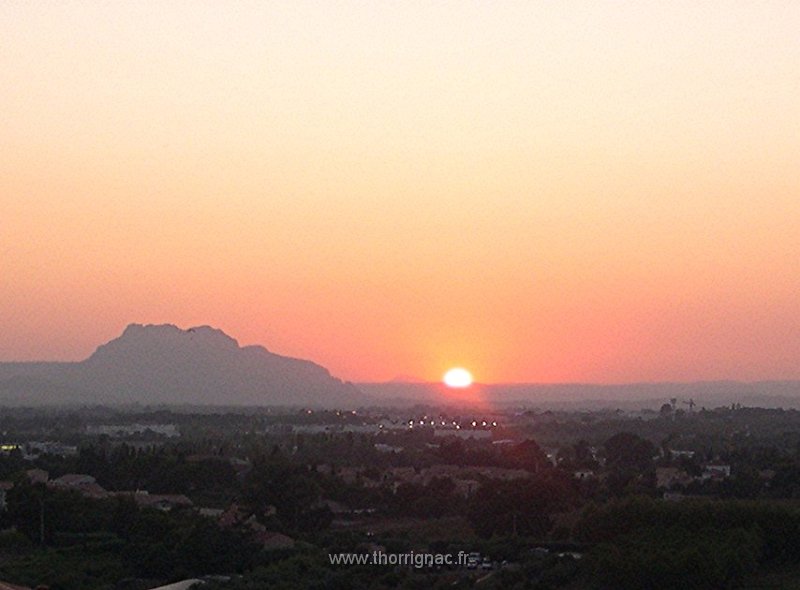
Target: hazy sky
[(538, 191)]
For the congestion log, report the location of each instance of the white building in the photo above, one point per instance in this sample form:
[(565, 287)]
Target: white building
[(716, 472), (463, 433), (121, 430)]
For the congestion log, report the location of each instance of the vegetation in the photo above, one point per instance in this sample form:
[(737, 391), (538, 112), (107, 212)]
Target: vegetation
[(522, 507)]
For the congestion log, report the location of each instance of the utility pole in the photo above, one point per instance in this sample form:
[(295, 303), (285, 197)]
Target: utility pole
[(41, 520)]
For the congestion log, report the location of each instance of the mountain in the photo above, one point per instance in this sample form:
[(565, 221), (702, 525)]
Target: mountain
[(163, 364)]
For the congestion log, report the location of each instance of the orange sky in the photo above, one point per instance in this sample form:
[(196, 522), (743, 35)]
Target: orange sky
[(538, 191)]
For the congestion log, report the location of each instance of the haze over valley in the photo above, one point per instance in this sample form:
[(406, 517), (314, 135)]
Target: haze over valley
[(163, 364)]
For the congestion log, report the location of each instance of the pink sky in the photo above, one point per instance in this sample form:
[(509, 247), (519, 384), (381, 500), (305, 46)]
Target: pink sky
[(570, 191)]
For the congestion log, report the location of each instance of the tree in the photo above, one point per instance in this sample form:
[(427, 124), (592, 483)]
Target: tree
[(291, 489), (628, 450), (528, 455), (517, 507), (583, 454)]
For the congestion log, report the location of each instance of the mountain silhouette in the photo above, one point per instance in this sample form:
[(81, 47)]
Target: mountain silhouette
[(163, 364)]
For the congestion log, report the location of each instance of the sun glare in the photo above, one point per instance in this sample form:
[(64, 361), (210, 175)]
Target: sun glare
[(458, 377)]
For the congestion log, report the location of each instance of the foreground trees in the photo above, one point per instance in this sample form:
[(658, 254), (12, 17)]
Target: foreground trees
[(72, 542), (643, 543), (519, 507)]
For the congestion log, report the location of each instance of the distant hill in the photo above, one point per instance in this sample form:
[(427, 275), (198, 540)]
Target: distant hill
[(163, 364), (408, 379), (771, 394)]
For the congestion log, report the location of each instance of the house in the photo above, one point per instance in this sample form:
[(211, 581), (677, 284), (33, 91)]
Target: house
[(123, 430), (583, 474), (182, 585), (34, 449), (368, 482), (552, 454), (673, 496), (163, 502), (335, 507), (666, 477), (241, 466), (767, 474), (463, 433), (468, 472), (80, 482), (395, 476), (214, 513), (384, 448), (271, 540), (406, 474), (503, 473), (717, 471), (231, 517), (325, 469), (466, 487), (37, 475), (349, 475), (234, 516), (73, 480), (8, 448)]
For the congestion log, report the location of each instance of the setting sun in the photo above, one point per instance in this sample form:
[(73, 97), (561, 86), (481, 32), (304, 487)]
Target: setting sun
[(458, 377)]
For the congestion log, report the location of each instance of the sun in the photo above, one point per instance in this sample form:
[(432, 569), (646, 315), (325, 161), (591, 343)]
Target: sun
[(457, 377)]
